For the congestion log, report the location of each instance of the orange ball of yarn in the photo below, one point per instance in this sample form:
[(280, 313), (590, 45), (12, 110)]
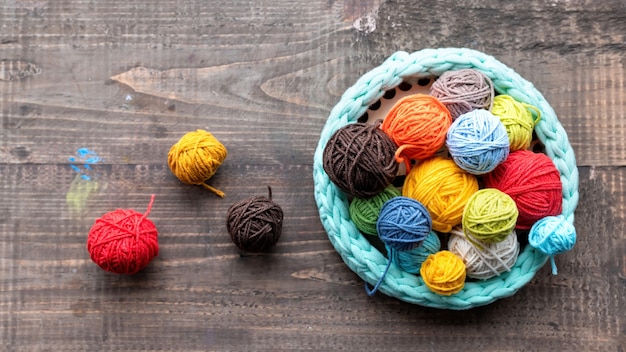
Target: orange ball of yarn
[(443, 188), (443, 273), (123, 241), (418, 125)]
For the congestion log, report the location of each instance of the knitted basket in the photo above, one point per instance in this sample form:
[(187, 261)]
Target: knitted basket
[(358, 253)]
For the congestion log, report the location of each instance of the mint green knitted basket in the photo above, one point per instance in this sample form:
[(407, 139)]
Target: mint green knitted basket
[(358, 253)]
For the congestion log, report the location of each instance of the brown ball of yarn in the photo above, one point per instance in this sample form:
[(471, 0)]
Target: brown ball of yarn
[(255, 223), (359, 159), (463, 91)]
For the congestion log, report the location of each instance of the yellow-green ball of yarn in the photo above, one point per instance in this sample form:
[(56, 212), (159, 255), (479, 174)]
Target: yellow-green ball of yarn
[(364, 211), (518, 118), (489, 216), (443, 273)]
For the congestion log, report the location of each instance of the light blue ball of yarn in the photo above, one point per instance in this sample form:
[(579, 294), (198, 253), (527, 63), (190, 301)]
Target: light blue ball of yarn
[(478, 142), (411, 261), (552, 235), (403, 223)]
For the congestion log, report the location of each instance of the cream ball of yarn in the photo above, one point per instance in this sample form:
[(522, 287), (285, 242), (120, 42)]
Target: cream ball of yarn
[(484, 260)]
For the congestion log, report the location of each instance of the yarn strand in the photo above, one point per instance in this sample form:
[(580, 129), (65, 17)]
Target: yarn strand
[(371, 292), (553, 265), (144, 216), (536, 113), (212, 189)]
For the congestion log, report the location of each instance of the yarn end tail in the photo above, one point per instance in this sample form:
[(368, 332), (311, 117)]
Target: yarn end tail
[(214, 190), (400, 158), (149, 206), (553, 264), (371, 291)]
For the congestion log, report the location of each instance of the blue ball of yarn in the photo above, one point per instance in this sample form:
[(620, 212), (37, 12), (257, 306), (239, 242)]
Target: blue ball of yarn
[(552, 235), (478, 142), (411, 261), (403, 223)]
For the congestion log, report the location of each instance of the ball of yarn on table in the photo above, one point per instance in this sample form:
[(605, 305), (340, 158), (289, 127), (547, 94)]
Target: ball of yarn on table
[(552, 235), (443, 273), (417, 124), (411, 261), (364, 212), (534, 183), (444, 189), (403, 223), (123, 241), (487, 260), (255, 223), (490, 216), (196, 157), (359, 159), (477, 142), (463, 91), (519, 120)]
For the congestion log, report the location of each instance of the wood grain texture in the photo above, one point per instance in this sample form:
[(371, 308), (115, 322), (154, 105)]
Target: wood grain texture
[(127, 78)]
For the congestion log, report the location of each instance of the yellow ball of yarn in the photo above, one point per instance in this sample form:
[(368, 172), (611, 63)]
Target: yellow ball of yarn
[(443, 188), (443, 273), (489, 216), (518, 118), (196, 157)]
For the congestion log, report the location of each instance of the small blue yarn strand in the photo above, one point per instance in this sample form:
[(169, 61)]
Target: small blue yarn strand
[(552, 235), (411, 260), (403, 223), (478, 142), (372, 291)]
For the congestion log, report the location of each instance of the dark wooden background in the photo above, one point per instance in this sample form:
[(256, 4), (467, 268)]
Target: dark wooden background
[(127, 78)]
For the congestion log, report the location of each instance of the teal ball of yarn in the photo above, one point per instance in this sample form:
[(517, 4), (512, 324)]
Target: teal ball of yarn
[(411, 261), (364, 212), (478, 142), (403, 223), (552, 235)]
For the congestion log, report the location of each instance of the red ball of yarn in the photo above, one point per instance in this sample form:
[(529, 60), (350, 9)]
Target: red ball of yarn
[(534, 183), (123, 241), (418, 125)]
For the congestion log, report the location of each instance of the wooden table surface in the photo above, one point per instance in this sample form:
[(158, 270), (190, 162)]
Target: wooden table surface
[(125, 79)]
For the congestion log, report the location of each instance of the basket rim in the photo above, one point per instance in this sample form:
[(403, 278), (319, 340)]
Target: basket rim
[(358, 253)]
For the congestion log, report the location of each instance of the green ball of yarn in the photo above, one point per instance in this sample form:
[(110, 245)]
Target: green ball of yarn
[(489, 216), (411, 261), (364, 211), (519, 120)]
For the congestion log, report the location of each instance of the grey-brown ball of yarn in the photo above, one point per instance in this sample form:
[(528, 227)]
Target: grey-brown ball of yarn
[(463, 91), (359, 159), (255, 223)]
